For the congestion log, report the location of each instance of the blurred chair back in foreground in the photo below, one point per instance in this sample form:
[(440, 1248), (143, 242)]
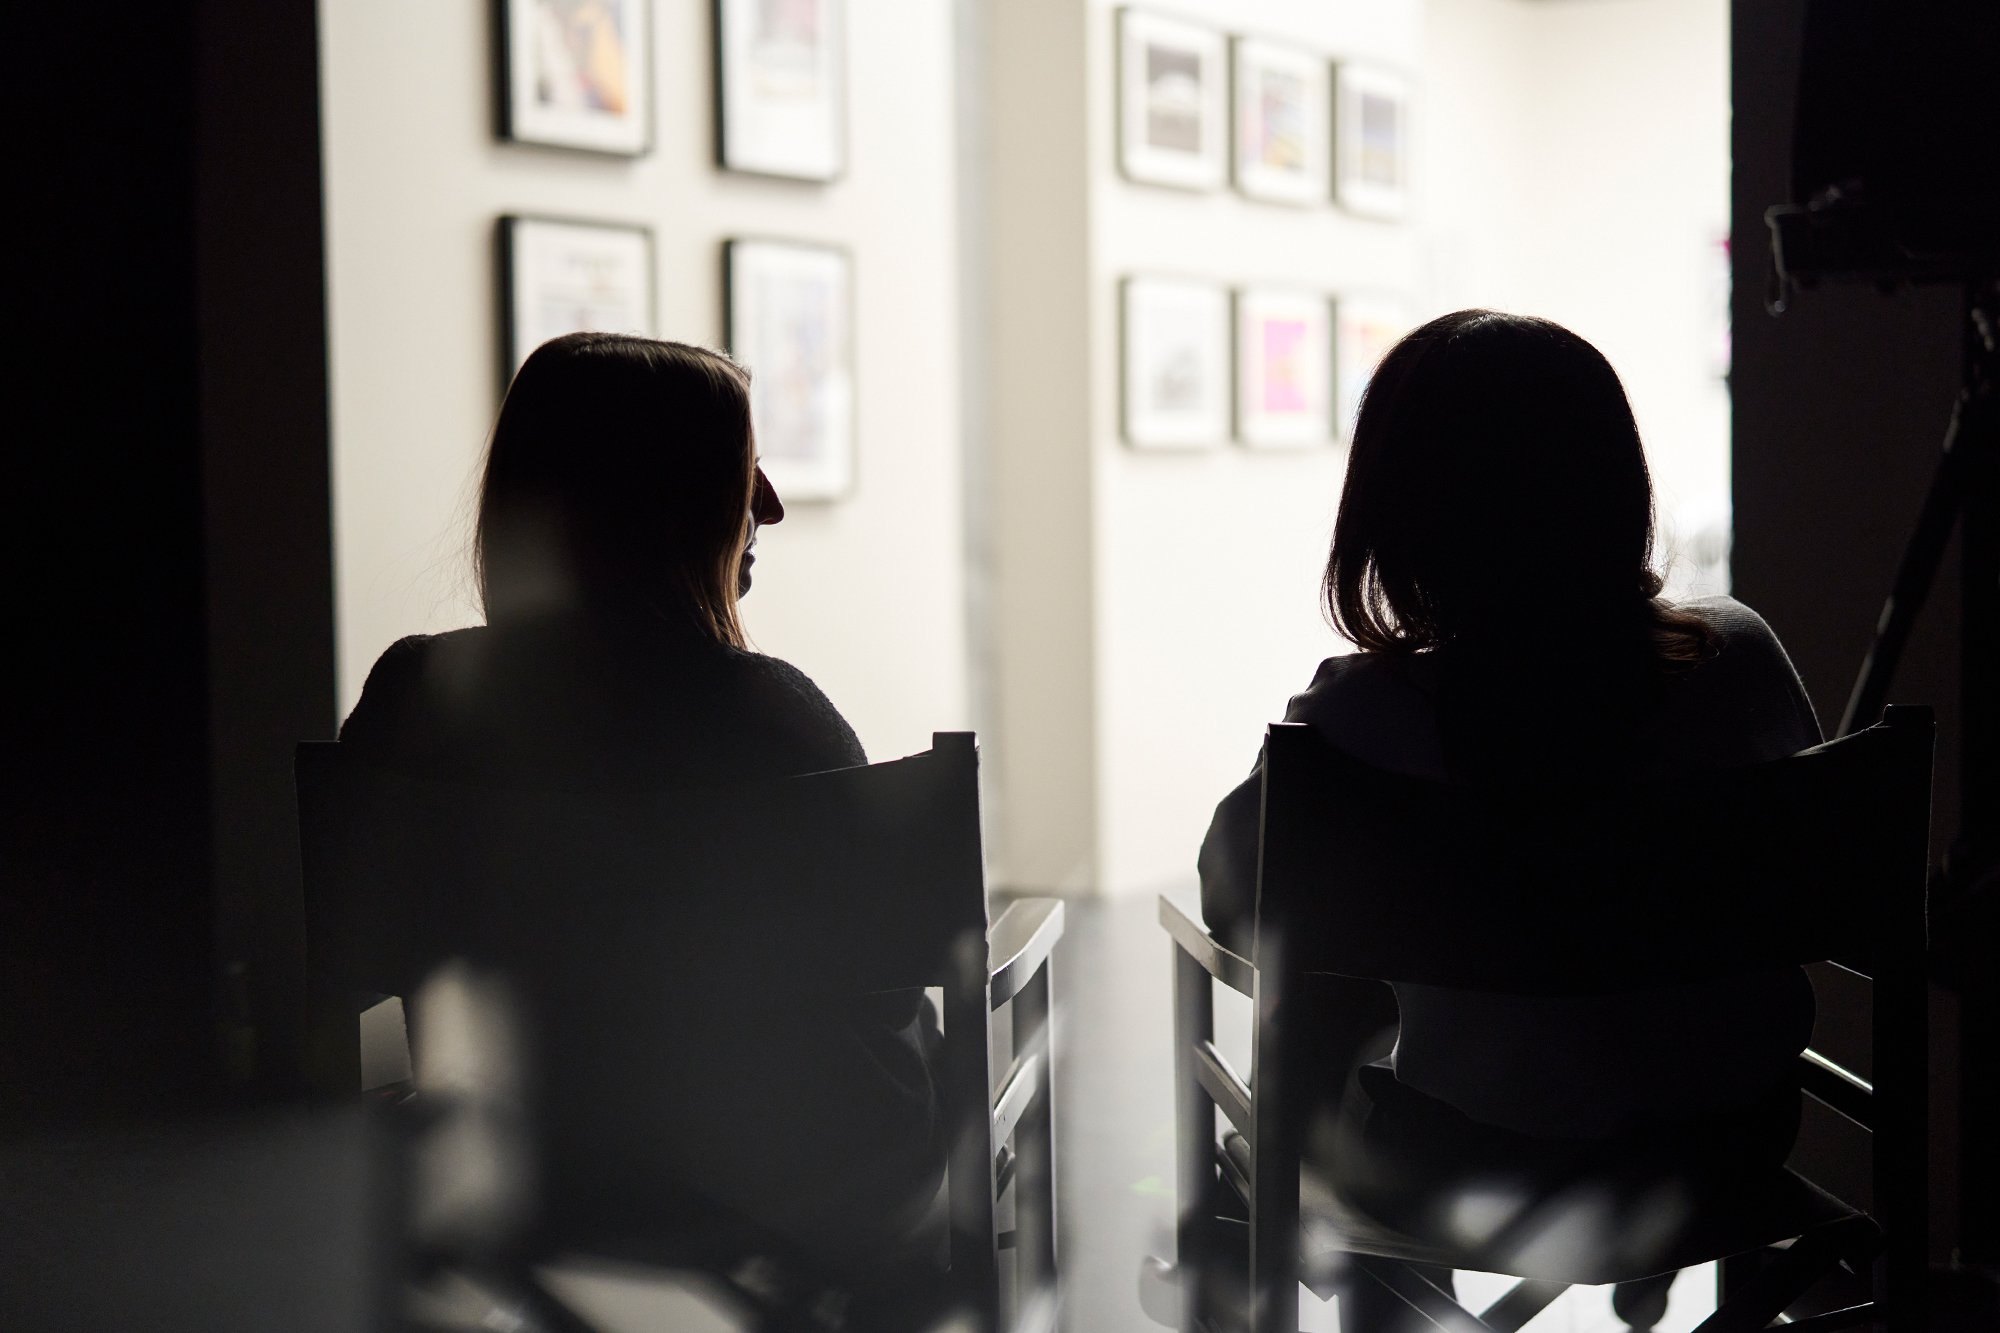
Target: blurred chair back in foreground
[(625, 921)]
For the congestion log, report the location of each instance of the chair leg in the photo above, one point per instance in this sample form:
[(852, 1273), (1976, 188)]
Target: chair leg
[(1751, 1299), (1424, 1302), (1196, 1183), (1642, 1304), (1034, 1148), (1523, 1301)]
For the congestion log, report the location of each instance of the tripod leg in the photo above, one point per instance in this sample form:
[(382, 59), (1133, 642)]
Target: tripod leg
[(1920, 565)]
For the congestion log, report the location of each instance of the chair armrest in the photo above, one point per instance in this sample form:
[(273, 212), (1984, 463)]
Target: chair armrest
[(1019, 944), (1231, 969), (1837, 1087)]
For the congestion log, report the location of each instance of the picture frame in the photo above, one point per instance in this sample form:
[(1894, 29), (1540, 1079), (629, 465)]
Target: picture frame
[(575, 74), (1174, 367), (1365, 327), (781, 88), (1284, 368), (563, 275), (788, 314), (1371, 132), (1173, 107), (1281, 136)]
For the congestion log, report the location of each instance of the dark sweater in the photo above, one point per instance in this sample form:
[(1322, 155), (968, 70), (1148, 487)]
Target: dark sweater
[(814, 1124)]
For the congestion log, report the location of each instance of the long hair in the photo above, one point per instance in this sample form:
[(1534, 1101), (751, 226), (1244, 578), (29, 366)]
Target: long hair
[(1497, 504), (619, 478)]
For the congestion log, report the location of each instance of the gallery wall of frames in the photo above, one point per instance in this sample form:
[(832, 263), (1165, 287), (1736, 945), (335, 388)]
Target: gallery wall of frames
[(578, 75), (775, 179), (1286, 125)]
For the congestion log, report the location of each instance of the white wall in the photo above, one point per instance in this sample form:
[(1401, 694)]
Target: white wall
[(865, 595)]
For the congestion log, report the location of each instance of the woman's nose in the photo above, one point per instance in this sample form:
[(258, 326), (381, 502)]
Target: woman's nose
[(765, 506)]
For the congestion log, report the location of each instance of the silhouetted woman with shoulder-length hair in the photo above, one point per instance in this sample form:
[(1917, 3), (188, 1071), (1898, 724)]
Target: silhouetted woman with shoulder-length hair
[(618, 511), (617, 482), (1493, 562)]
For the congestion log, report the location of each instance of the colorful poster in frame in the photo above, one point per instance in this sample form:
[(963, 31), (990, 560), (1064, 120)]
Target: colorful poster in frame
[(1284, 368), (1283, 122), (1365, 327), (1371, 131), (1174, 362), (562, 276), (781, 88), (788, 308), (576, 74), (1173, 106)]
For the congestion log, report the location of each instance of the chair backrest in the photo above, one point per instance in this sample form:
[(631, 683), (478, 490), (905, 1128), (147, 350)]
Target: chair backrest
[(851, 881), (1579, 888)]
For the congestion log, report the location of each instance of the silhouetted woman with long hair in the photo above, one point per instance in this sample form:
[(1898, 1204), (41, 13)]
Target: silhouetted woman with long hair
[(1493, 562), (618, 514)]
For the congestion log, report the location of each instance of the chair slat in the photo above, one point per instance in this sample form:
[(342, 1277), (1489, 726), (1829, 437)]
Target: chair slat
[(1023, 1082), (1225, 1088)]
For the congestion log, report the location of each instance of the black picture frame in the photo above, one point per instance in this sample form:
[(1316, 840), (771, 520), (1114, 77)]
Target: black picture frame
[(796, 476), (518, 119), (514, 236), (755, 141)]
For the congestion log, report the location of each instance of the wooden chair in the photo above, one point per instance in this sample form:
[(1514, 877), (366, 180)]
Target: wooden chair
[(1820, 856), (840, 883)]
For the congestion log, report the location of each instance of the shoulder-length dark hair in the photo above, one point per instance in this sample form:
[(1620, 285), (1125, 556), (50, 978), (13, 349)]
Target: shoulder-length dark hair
[(1495, 462), (619, 478)]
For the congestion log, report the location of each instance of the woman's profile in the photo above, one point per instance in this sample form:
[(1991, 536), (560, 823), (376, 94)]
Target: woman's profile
[(1493, 561), (618, 514)]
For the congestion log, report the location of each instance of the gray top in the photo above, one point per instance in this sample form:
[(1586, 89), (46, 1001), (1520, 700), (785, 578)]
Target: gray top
[(1555, 1065)]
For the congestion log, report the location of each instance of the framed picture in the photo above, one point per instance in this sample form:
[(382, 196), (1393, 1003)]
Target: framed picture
[(1364, 329), (1284, 368), (789, 311), (1371, 129), (1174, 362), (1172, 107), (1283, 122), (576, 73), (560, 276), (781, 87)]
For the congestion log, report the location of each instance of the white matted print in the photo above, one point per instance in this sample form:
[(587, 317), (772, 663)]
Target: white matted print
[(781, 87), (1172, 101), (1175, 371), (1364, 329), (1284, 368), (1371, 126), (566, 277), (1283, 122), (789, 310), (577, 73)]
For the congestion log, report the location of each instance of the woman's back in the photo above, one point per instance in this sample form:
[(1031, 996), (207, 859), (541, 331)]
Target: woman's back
[(712, 1111), (581, 703)]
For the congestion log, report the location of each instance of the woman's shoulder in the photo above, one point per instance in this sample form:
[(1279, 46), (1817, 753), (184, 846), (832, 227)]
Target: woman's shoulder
[(398, 678), (1730, 620), (796, 706), (1747, 684), (1741, 638), (1377, 707)]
